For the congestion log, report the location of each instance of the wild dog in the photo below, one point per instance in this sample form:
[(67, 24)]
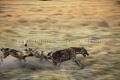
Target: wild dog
[(60, 56), (42, 55), (36, 53), (15, 53)]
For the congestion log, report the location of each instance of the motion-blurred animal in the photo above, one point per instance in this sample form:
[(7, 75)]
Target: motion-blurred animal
[(15, 53), (60, 56), (42, 55)]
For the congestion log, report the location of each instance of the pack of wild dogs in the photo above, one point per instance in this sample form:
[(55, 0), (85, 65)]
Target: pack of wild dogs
[(57, 57)]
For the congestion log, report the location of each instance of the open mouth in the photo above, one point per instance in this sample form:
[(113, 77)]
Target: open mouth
[(85, 55)]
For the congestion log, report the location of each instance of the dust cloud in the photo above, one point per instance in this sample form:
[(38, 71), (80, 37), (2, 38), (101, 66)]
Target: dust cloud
[(30, 63)]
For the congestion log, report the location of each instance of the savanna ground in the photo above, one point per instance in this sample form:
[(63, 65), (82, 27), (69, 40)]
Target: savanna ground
[(57, 24)]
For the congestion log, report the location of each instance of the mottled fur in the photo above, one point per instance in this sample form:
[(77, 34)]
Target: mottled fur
[(38, 54), (15, 53), (68, 54)]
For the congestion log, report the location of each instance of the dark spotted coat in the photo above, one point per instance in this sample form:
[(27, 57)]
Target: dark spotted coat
[(68, 54)]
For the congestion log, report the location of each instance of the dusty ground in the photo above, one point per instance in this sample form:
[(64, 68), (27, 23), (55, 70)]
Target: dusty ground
[(52, 25)]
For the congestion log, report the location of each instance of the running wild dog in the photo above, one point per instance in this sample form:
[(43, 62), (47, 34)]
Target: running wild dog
[(42, 55), (15, 53), (68, 54), (57, 57)]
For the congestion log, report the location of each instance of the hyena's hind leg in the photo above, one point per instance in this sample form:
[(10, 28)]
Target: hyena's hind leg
[(78, 62)]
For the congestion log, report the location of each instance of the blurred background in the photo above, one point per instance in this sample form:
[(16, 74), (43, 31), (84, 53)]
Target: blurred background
[(57, 24)]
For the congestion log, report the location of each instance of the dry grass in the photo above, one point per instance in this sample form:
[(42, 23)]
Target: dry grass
[(53, 25)]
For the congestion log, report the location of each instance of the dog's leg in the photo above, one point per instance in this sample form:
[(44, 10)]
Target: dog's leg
[(55, 63), (41, 58), (24, 58), (73, 56), (59, 64), (1, 58), (78, 62), (81, 64)]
